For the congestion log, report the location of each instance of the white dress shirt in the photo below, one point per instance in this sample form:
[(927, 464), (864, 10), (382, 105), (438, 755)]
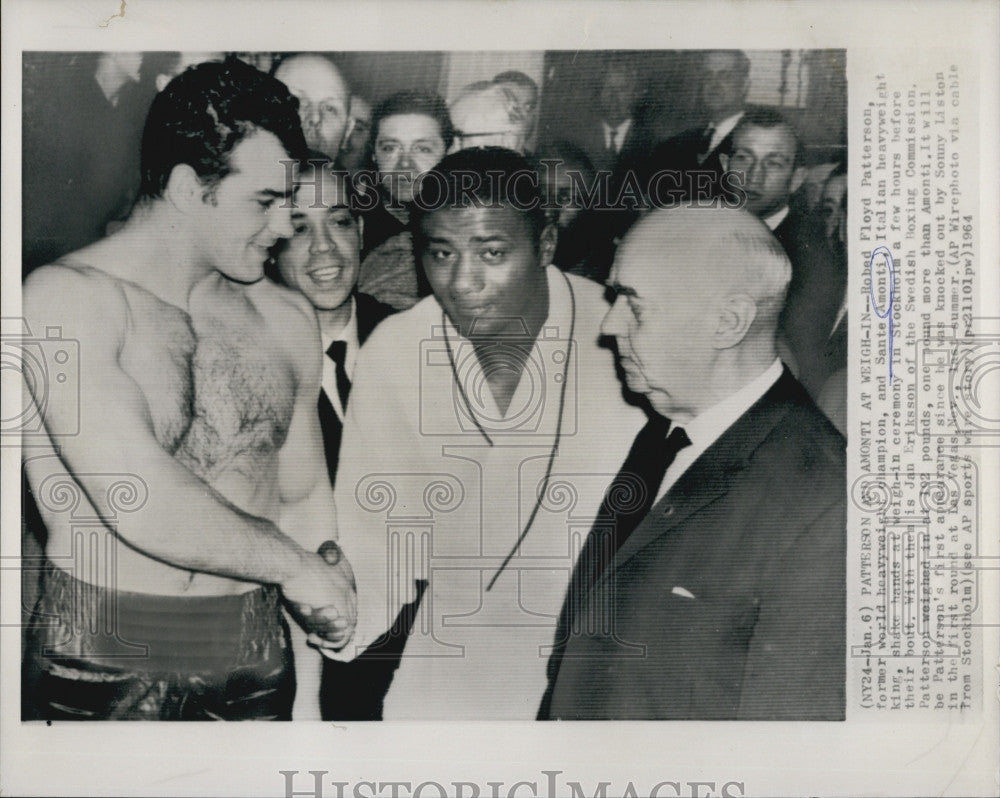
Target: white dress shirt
[(723, 129), (619, 133), (705, 429), (776, 218)]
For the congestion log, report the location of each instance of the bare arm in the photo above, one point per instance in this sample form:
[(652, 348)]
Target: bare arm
[(184, 522), (307, 512)]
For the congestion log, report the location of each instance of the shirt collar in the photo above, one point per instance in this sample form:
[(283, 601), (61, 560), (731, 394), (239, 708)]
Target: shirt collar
[(706, 428), (348, 333), (724, 127), (620, 130), (776, 218)]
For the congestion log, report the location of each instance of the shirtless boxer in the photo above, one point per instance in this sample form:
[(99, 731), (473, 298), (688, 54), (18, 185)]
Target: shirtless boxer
[(198, 387)]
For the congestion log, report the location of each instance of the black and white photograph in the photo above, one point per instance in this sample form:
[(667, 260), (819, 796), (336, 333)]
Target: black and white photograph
[(401, 388)]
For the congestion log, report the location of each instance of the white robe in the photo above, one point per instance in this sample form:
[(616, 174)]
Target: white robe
[(422, 495)]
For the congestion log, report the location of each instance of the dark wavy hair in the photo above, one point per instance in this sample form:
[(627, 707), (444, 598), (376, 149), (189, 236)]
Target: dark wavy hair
[(203, 113), (414, 102)]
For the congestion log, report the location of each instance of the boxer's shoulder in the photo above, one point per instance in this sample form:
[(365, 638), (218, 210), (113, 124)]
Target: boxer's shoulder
[(282, 307), (79, 299)]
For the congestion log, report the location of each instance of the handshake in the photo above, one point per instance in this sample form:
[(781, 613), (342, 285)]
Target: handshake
[(323, 598)]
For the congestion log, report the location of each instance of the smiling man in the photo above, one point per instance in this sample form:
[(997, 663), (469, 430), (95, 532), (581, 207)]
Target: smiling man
[(198, 394), (483, 425)]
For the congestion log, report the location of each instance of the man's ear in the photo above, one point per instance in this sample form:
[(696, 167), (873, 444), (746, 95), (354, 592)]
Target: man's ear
[(736, 315), (547, 245), (798, 176), (361, 230), (184, 190), (161, 82)]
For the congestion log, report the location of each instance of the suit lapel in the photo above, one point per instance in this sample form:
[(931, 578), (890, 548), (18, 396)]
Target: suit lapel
[(712, 474)]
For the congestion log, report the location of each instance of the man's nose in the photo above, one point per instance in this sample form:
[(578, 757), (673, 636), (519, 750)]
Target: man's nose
[(280, 220), (320, 241), (611, 324), (310, 114), (465, 277), (405, 162), (755, 173)]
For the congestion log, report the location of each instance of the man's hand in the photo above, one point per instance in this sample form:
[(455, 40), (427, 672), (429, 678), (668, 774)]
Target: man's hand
[(323, 600)]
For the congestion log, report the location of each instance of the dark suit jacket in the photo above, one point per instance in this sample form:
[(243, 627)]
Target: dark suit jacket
[(369, 313), (635, 148), (755, 531), (815, 294), (604, 225), (680, 154)]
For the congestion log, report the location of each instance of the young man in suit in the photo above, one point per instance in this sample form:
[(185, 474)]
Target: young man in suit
[(722, 595), (767, 154), (321, 260)]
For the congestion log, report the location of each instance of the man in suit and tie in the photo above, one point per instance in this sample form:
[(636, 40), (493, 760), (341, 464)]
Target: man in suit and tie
[(321, 261), (617, 142), (724, 83), (767, 158), (712, 585)]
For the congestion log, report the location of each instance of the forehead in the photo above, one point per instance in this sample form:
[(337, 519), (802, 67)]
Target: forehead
[(409, 127), (258, 160), (314, 77), (776, 140), (719, 62), (459, 225), (321, 189), (619, 76), (521, 90), (661, 258)]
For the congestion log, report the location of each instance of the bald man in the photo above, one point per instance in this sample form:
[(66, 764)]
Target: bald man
[(324, 100), (712, 585)]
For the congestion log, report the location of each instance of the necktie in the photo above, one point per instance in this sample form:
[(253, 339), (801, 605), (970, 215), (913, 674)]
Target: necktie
[(627, 500), (705, 145), (630, 495), (613, 140), (337, 352)]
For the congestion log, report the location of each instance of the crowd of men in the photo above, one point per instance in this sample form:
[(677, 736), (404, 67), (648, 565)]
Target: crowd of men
[(434, 417)]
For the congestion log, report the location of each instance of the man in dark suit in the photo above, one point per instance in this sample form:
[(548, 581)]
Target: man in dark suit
[(617, 142), (767, 155), (613, 134), (724, 83), (321, 261), (712, 585)]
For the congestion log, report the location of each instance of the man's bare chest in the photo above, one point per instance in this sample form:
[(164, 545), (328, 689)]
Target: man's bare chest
[(218, 390)]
